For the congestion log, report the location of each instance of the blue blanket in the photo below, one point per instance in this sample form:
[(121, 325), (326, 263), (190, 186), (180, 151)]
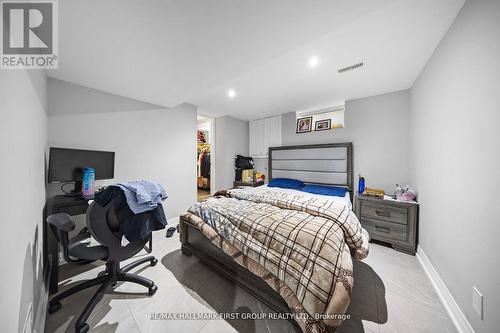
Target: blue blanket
[(142, 195)]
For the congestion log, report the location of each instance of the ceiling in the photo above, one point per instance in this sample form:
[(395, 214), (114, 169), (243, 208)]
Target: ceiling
[(201, 120), (169, 52)]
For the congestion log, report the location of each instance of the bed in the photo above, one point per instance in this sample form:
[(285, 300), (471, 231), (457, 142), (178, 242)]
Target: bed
[(237, 254), (345, 200)]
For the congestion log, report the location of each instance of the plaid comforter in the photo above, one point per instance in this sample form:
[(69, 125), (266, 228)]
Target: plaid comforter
[(302, 247)]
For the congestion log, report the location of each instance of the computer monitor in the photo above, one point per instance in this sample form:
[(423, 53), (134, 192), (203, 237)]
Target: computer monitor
[(66, 165)]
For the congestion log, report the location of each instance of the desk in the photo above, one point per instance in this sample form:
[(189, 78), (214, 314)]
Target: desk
[(58, 204)]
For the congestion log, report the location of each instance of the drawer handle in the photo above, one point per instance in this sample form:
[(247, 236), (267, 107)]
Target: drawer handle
[(383, 213), (382, 229)]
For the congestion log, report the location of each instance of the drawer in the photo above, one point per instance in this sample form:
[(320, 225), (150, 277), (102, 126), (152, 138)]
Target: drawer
[(74, 209), (384, 212), (385, 231)]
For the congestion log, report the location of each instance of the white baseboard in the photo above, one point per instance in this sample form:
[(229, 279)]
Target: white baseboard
[(173, 222), (43, 300), (41, 312), (456, 315), (28, 322)]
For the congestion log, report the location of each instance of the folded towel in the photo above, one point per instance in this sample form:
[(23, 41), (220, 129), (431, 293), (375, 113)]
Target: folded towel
[(142, 195)]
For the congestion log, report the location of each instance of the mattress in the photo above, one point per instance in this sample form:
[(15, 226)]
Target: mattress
[(346, 200)]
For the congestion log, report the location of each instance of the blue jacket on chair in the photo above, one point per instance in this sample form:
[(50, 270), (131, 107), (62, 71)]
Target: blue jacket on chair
[(133, 226), (142, 195)]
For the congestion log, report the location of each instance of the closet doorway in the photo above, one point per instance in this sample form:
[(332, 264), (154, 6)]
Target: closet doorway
[(205, 138)]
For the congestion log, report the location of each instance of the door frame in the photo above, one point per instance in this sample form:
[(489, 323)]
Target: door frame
[(211, 141)]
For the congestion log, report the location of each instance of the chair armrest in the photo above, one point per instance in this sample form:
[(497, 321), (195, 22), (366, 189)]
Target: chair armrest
[(62, 221)]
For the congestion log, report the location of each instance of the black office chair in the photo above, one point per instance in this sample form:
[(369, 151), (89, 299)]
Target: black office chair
[(104, 227)]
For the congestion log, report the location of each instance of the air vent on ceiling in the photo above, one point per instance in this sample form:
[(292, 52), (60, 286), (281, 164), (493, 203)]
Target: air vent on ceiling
[(350, 68)]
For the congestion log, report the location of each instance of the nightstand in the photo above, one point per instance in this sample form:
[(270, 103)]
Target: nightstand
[(390, 221), (237, 184)]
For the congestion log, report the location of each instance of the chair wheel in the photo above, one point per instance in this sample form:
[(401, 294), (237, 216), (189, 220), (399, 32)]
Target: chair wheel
[(53, 307), (82, 329), (154, 262), (153, 290)]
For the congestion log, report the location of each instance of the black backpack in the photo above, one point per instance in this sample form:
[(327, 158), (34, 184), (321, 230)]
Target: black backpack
[(242, 163)]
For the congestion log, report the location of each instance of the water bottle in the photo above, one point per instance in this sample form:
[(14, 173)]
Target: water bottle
[(361, 184), (88, 183)]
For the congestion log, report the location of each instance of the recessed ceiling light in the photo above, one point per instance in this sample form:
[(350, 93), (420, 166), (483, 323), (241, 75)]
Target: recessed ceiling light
[(314, 61), (231, 93)]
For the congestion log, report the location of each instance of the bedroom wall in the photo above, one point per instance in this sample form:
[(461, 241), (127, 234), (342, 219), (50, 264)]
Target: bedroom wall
[(456, 159), (378, 128), (150, 142), (66, 98), (23, 140), (231, 139)]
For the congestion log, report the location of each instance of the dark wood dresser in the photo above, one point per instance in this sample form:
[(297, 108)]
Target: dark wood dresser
[(390, 221), (237, 184)]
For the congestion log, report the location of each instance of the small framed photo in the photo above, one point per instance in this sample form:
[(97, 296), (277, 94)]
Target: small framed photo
[(304, 125), (323, 125)]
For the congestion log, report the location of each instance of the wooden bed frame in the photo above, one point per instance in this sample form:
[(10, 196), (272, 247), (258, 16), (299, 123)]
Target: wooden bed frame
[(194, 242)]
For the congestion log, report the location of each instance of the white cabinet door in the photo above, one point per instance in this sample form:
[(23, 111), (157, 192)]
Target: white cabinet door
[(272, 133), (264, 133), (257, 138)]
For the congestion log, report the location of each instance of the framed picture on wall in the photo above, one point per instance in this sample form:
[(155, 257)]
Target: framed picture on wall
[(202, 136), (323, 125), (304, 125)]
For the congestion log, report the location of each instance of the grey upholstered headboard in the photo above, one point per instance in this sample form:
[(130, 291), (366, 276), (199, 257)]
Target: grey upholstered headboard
[(327, 164)]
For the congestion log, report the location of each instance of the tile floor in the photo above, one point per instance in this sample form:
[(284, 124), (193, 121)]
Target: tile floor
[(391, 294)]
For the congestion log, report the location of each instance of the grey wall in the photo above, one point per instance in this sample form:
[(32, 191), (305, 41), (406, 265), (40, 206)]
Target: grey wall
[(261, 165), (378, 128), (23, 139), (231, 139), (154, 144), (66, 98), (456, 143)]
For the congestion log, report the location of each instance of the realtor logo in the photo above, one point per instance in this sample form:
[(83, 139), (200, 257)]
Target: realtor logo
[(29, 34)]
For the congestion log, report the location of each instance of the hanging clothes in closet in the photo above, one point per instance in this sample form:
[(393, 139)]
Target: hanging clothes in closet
[(204, 166)]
